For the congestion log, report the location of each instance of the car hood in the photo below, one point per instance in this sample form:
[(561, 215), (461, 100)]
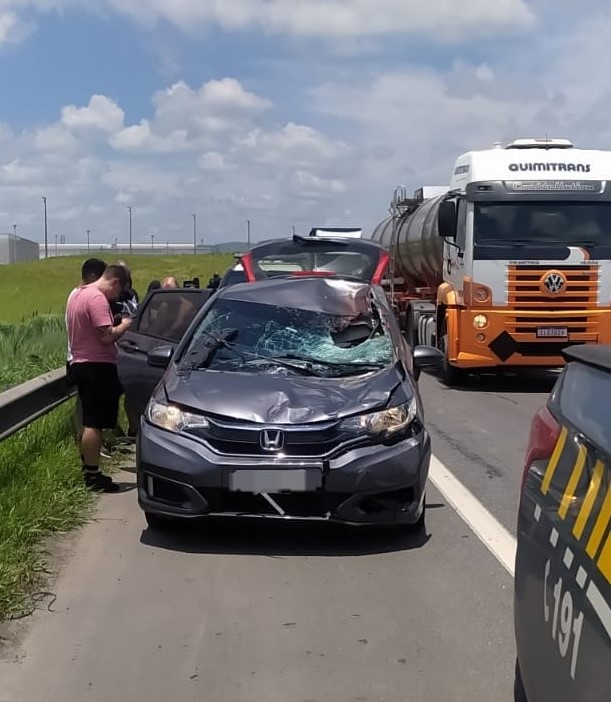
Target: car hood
[(282, 399)]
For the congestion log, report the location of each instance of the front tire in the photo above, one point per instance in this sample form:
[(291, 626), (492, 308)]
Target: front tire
[(451, 375)]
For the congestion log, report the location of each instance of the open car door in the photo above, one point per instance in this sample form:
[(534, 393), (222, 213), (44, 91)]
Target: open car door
[(162, 319)]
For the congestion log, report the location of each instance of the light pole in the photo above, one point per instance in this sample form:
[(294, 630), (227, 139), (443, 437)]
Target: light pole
[(44, 199), (194, 233), (152, 242), (130, 228), (248, 231), (88, 231), (56, 246), (15, 229)]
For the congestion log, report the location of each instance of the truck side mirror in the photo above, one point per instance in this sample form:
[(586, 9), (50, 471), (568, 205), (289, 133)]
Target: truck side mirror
[(446, 219)]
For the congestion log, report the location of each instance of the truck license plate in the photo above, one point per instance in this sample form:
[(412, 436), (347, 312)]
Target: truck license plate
[(275, 481), (552, 332)]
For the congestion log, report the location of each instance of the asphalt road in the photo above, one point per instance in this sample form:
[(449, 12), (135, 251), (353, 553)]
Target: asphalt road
[(295, 613)]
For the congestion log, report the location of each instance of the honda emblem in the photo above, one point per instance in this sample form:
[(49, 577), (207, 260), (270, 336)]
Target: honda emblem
[(272, 439)]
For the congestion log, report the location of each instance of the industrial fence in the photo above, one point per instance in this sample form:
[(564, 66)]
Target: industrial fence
[(22, 404)]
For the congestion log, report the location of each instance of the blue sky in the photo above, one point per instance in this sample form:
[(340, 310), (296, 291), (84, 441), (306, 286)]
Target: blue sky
[(283, 111)]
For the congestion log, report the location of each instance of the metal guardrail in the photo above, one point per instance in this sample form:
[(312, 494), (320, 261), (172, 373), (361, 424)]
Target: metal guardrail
[(24, 403)]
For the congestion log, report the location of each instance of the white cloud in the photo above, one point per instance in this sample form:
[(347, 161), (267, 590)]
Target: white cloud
[(102, 114), (329, 19), (12, 28), (443, 19)]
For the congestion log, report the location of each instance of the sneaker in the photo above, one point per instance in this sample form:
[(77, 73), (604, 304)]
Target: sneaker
[(98, 482), (105, 452)]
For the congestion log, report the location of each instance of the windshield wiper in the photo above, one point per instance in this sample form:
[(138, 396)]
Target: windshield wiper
[(336, 364), (280, 361), (202, 354)]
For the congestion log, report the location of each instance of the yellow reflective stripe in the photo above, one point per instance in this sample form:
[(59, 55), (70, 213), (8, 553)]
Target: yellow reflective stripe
[(569, 493), (604, 562), (590, 498), (601, 525), (553, 461)]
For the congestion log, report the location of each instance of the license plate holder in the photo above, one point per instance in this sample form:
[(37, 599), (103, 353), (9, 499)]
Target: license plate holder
[(552, 333), (275, 480)]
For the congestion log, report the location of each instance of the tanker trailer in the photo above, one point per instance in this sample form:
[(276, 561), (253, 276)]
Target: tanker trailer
[(512, 264)]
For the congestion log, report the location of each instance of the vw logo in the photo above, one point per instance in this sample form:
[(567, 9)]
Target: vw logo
[(271, 439), (554, 282)]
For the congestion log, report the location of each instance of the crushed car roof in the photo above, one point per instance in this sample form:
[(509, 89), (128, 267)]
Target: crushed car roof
[(317, 294)]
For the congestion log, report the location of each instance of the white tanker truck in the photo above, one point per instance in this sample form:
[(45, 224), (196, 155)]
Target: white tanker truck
[(511, 263)]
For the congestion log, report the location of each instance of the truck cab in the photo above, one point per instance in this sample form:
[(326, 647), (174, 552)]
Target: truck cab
[(527, 252), (512, 263)]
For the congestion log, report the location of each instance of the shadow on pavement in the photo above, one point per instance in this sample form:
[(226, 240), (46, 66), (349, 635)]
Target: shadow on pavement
[(277, 538), (536, 381)]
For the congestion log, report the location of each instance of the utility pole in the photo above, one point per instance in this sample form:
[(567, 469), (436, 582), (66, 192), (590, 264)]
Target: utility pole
[(44, 199), (56, 246), (15, 229), (130, 228), (152, 242), (248, 231), (88, 231), (293, 230), (194, 233)]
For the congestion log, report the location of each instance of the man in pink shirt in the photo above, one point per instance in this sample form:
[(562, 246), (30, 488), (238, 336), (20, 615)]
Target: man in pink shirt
[(92, 340)]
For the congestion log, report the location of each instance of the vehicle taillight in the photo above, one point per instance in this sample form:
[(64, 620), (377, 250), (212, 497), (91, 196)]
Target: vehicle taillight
[(376, 278), (544, 433), (246, 261)]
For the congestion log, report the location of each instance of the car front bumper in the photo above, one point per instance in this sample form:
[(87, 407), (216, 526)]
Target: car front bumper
[(180, 476)]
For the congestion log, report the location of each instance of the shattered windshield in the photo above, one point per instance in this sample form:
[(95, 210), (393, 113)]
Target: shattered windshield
[(247, 336)]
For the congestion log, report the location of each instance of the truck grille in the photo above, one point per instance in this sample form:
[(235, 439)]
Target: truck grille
[(527, 291)]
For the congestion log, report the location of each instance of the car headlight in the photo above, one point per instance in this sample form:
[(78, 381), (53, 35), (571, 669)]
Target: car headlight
[(384, 423), (173, 418)]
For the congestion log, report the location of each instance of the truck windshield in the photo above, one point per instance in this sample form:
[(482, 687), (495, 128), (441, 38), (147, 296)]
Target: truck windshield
[(540, 223)]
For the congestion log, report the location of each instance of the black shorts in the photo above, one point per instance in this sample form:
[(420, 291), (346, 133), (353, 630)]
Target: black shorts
[(99, 390)]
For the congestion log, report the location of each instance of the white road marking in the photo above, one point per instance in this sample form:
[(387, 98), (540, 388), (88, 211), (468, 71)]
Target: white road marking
[(568, 558), (581, 577), (484, 525), (600, 606), (537, 513), (553, 537)]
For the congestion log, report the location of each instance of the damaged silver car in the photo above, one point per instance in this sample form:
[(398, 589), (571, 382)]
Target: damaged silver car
[(288, 398)]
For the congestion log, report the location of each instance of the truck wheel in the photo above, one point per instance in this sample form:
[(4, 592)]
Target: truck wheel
[(451, 375)]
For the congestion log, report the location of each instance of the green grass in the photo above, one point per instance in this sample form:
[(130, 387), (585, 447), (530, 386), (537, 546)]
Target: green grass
[(31, 348), (40, 493), (41, 287)]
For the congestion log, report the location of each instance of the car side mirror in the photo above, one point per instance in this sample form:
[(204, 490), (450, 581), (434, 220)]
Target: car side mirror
[(446, 219), (426, 357), (160, 356)]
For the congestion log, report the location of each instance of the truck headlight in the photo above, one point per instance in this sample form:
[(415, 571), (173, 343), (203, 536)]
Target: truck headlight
[(173, 418), (480, 321), (384, 423)]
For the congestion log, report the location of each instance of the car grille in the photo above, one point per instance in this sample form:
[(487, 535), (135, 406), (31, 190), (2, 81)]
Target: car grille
[(233, 438), (525, 291)]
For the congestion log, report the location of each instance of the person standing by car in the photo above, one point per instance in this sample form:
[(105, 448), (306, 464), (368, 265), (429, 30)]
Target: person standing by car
[(92, 338), (91, 270)]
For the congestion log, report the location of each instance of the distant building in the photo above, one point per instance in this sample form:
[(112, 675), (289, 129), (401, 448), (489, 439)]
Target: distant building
[(119, 248), (14, 249)]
